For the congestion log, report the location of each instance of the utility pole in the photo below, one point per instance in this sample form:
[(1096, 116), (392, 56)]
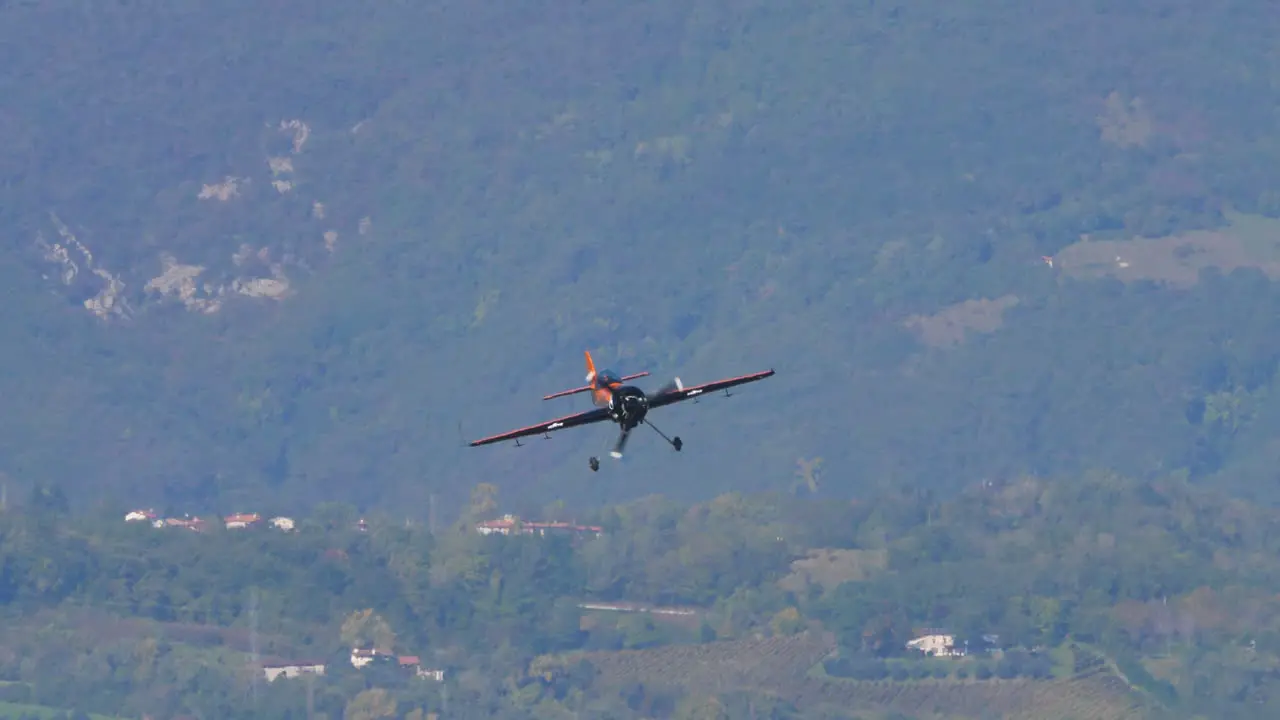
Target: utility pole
[(253, 642), (431, 515), (311, 696)]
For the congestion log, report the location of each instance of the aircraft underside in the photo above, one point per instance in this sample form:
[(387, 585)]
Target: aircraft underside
[(626, 405)]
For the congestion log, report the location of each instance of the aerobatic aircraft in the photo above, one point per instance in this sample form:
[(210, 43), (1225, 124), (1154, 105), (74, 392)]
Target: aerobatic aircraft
[(626, 405)]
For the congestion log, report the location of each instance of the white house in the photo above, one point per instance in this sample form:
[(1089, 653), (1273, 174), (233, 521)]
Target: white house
[(437, 675), (363, 656), (241, 520), (291, 670), (935, 645)]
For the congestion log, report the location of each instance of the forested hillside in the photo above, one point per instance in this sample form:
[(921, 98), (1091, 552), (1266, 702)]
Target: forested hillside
[(1094, 596), (300, 252)]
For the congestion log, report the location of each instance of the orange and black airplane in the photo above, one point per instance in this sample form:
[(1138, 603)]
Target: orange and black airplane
[(627, 405)]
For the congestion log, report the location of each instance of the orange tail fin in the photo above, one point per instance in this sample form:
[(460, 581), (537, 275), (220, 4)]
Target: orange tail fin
[(591, 376)]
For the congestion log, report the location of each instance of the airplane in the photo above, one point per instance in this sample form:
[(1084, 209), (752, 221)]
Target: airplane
[(626, 405)]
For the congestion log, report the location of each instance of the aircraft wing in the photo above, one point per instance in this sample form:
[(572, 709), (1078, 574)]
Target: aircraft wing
[(675, 396), (568, 421)]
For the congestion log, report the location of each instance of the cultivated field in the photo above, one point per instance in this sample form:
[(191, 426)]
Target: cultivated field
[(1098, 695), (714, 667), (784, 667)]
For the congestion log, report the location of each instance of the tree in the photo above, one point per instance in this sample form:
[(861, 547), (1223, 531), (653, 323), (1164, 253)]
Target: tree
[(787, 622), (701, 708), (48, 500), (371, 705), (365, 628), (484, 498), (807, 475)]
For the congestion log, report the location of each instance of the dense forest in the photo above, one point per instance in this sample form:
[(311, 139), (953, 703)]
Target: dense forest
[(299, 253), (1015, 264), (1097, 595)]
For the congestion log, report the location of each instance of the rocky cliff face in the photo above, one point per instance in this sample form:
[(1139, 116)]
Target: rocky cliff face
[(257, 201)]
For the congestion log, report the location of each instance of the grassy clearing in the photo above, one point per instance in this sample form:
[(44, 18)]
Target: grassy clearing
[(1248, 241), (791, 667)]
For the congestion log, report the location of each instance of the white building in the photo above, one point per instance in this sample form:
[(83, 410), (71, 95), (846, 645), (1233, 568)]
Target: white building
[(291, 670), (241, 520), (363, 656), (935, 645)]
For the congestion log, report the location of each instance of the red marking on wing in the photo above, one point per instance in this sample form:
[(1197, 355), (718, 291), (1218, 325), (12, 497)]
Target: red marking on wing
[(675, 396)]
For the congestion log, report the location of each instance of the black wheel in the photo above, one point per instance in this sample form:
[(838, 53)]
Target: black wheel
[(594, 462), (677, 443)]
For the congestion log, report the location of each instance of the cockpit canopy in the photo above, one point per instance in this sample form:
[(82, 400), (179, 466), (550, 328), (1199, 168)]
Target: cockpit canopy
[(608, 377)]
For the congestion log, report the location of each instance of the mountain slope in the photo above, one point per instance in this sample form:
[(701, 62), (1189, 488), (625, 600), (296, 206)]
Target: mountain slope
[(331, 237)]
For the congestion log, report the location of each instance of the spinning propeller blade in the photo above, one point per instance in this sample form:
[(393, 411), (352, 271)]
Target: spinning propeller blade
[(671, 386), (622, 442)]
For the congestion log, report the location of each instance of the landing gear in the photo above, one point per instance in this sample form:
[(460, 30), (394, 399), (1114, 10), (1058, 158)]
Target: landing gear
[(675, 442)]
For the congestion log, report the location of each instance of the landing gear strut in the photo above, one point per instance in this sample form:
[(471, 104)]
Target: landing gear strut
[(675, 442)]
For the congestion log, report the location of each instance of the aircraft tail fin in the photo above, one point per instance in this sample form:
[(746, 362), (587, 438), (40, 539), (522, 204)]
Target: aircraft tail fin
[(591, 376)]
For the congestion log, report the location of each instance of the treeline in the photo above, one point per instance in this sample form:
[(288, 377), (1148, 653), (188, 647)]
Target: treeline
[(1135, 569)]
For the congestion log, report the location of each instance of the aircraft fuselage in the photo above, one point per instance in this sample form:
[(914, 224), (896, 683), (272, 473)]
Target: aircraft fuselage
[(628, 405)]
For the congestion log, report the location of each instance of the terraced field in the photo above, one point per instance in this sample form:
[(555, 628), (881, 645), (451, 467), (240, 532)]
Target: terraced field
[(781, 666), (717, 666), (1098, 695)]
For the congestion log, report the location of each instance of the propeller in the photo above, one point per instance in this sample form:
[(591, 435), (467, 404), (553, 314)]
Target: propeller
[(671, 386), (622, 442)]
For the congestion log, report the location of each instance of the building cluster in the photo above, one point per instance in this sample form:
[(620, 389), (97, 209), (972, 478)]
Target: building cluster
[(512, 525), (360, 657), (505, 525), (936, 643), (626, 607), (232, 522)]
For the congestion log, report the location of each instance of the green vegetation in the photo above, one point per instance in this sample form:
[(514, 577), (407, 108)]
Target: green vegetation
[(1110, 597), (17, 711), (287, 258), (856, 194)]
